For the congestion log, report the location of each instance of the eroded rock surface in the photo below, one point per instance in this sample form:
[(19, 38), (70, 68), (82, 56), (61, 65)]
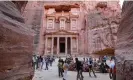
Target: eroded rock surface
[(16, 44), (124, 45), (33, 16), (102, 23)]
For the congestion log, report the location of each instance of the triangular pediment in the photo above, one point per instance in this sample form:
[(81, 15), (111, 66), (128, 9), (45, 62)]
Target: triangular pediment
[(62, 32)]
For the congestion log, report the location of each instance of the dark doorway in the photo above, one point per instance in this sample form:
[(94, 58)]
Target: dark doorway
[(62, 44), (68, 45), (62, 47)]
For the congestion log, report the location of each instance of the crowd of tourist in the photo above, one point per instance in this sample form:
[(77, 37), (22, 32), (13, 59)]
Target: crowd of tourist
[(103, 64), (39, 61)]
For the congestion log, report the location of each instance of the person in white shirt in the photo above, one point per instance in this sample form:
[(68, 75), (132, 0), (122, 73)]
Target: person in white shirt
[(112, 72), (34, 59), (65, 68)]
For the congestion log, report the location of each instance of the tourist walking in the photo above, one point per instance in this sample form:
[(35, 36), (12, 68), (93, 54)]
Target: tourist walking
[(51, 60), (65, 68), (60, 67), (112, 72), (34, 62), (43, 62), (90, 64), (46, 63), (102, 67), (104, 59), (79, 68), (37, 62), (40, 60)]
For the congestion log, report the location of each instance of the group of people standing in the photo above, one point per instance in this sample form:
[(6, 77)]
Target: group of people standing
[(80, 66), (63, 67), (39, 61)]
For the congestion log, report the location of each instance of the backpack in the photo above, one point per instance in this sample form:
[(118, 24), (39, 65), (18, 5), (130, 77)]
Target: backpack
[(60, 65), (65, 66)]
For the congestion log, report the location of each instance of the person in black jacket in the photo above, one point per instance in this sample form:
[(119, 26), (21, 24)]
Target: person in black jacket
[(40, 60), (79, 68), (60, 67)]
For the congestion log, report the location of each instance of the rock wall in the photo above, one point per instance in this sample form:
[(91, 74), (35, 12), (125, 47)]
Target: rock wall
[(99, 21), (102, 23), (124, 45), (33, 16), (16, 44)]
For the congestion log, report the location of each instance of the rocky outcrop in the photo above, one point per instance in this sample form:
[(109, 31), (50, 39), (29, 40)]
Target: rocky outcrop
[(16, 44), (124, 45), (33, 16), (102, 23)]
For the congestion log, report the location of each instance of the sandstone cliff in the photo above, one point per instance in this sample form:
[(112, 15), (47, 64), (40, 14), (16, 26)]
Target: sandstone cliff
[(102, 23), (124, 45), (33, 16), (16, 43)]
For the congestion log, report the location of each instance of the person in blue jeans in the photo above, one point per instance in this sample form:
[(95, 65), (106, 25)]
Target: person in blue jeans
[(90, 64)]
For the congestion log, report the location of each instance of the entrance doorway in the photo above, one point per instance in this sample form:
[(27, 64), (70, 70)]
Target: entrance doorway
[(62, 45)]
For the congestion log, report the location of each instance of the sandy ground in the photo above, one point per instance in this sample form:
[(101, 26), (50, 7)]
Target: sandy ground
[(52, 74)]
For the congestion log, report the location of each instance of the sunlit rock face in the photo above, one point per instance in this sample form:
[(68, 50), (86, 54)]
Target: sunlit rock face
[(102, 23), (16, 43), (33, 15), (124, 45)]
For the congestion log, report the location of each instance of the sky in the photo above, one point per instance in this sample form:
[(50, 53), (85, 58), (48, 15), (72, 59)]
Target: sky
[(121, 2)]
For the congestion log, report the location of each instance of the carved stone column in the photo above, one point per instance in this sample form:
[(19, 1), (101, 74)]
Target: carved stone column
[(57, 45), (46, 41), (66, 46), (71, 45), (77, 44), (52, 45)]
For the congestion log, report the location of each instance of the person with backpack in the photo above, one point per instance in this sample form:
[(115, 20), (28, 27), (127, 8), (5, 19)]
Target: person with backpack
[(79, 68), (60, 67), (90, 64), (65, 68)]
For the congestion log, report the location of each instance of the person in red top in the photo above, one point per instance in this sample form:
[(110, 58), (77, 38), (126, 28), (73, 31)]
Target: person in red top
[(112, 72)]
